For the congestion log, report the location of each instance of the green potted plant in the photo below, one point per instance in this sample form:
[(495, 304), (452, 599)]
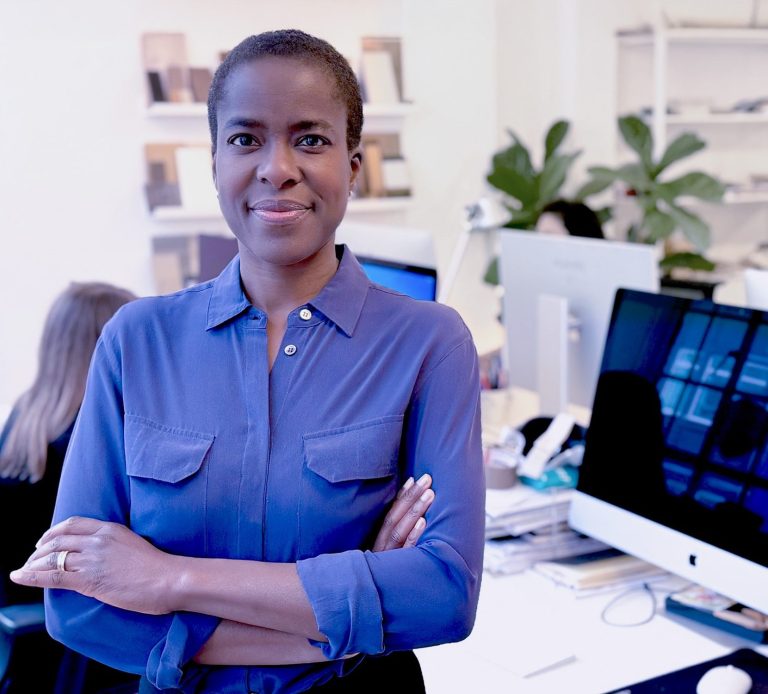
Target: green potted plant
[(662, 213), (529, 189)]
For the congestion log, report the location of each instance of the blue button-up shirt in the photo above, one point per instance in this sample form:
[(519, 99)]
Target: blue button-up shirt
[(187, 437)]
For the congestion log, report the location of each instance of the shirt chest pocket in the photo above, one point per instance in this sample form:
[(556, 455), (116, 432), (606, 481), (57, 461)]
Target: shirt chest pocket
[(167, 471), (349, 478)]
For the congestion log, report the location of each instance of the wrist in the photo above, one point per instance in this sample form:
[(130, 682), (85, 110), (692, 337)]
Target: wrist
[(177, 579)]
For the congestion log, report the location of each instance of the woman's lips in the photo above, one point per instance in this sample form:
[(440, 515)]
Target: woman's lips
[(279, 211)]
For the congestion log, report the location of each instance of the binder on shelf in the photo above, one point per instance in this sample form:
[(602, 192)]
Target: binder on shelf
[(200, 82), (165, 60), (372, 161)]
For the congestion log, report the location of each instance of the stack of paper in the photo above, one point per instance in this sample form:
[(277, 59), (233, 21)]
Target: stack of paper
[(521, 509), (511, 555)]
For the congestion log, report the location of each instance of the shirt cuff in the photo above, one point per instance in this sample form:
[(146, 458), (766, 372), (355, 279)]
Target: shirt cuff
[(345, 601), (186, 635)]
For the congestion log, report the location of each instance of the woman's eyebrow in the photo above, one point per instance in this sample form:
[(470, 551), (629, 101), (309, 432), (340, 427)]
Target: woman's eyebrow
[(240, 122), (312, 125)]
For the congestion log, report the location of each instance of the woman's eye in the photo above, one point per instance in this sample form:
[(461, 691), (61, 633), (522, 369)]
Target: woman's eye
[(243, 140), (312, 141)]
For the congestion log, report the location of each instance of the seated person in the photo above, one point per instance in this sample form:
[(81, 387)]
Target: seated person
[(569, 218), (35, 437)]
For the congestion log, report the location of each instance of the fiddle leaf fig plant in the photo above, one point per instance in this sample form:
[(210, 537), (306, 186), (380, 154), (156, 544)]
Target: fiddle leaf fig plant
[(662, 213), (527, 188)]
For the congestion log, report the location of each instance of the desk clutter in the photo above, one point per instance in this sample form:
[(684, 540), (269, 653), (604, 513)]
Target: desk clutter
[(530, 476)]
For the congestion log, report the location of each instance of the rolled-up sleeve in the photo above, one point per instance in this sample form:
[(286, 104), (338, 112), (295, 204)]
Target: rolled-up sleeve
[(94, 484), (410, 598)]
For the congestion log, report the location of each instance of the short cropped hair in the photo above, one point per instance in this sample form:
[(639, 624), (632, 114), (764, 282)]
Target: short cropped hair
[(292, 43)]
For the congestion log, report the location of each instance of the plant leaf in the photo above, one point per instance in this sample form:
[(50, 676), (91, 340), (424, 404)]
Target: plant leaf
[(638, 136), (514, 174), (681, 147), (694, 229), (596, 185), (491, 275), (522, 219), (555, 137), (696, 183), (659, 224), (553, 176), (694, 261), (634, 175)]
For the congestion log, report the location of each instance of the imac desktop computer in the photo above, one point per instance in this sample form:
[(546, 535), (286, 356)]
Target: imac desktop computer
[(558, 293), (675, 468)]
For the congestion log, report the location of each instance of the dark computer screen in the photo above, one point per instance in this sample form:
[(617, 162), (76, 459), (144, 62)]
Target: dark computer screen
[(412, 280), (679, 428)]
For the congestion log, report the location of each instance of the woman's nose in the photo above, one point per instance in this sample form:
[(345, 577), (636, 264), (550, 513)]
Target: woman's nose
[(278, 166)]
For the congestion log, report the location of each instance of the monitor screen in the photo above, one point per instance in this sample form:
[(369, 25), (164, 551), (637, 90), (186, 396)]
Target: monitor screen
[(585, 272), (417, 282), (675, 468)]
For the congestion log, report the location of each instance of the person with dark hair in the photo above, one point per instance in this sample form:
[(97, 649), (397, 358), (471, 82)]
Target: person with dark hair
[(229, 516), (33, 443), (566, 217)]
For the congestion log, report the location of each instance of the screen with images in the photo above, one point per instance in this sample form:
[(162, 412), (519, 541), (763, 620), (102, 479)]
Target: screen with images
[(417, 282), (679, 429)]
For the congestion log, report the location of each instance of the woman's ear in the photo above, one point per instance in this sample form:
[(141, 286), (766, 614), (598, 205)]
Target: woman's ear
[(355, 164)]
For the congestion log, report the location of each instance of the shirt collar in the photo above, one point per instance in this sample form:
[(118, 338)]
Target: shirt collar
[(340, 300), (228, 298)]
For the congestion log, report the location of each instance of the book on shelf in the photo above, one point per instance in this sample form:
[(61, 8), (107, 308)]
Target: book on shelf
[(193, 166), (164, 56), (597, 569), (200, 82), (374, 177), (377, 74), (162, 186), (393, 46)]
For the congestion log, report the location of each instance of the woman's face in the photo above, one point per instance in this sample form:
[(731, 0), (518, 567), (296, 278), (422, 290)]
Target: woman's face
[(281, 166)]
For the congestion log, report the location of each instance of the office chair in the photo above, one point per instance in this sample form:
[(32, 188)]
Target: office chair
[(31, 661)]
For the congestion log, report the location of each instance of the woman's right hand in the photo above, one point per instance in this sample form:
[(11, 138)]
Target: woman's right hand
[(404, 523)]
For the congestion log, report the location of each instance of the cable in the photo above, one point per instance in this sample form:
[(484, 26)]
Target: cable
[(646, 587)]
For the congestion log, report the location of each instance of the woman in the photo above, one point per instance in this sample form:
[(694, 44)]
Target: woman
[(32, 447), (254, 430), (35, 437)]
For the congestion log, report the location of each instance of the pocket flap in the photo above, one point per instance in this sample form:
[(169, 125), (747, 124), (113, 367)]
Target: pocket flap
[(158, 452), (368, 450)]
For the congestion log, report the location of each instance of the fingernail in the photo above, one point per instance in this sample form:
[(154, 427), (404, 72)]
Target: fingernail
[(428, 495), (420, 524), (408, 483), (424, 480)]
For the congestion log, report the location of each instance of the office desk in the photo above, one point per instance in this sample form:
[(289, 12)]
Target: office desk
[(522, 616)]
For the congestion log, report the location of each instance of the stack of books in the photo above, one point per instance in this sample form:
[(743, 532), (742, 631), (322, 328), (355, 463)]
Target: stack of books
[(524, 526)]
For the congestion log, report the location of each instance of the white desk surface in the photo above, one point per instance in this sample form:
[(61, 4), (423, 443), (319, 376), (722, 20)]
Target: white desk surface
[(524, 619)]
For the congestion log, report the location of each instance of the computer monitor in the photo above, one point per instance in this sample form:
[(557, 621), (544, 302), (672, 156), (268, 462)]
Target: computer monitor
[(675, 468), (756, 286), (543, 354), (413, 280)]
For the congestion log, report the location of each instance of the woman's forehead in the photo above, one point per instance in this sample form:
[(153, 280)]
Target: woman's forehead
[(284, 85)]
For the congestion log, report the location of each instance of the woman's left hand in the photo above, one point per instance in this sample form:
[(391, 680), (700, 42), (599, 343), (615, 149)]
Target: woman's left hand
[(103, 560)]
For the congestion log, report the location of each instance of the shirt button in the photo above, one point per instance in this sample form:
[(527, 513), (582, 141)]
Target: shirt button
[(305, 314), (290, 350)]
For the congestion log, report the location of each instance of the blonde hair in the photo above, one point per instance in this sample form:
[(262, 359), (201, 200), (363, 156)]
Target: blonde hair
[(49, 407)]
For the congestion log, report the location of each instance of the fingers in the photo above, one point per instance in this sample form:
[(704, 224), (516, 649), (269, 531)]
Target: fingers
[(411, 503), (415, 534), (72, 543), (48, 579), (74, 525), (409, 528)]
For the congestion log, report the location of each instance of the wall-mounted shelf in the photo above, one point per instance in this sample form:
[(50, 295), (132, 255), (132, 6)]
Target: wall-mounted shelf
[(757, 35), (718, 119)]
